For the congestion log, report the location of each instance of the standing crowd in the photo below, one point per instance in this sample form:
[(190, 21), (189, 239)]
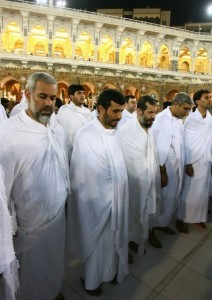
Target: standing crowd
[(95, 185)]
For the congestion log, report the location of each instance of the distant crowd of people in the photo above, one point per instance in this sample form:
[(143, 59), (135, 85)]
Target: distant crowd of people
[(96, 185)]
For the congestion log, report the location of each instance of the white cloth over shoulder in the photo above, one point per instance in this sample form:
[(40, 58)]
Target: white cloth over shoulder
[(169, 133), (20, 106), (3, 115), (196, 189), (8, 262), (35, 162), (139, 152), (99, 193), (72, 118), (198, 137), (126, 116)]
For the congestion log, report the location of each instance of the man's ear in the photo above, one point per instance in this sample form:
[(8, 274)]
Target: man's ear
[(139, 111), (28, 95), (100, 109)]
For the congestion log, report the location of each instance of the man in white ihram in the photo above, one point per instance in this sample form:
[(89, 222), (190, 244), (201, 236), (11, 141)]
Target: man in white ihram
[(198, 146), (129, 111), (33, 156), (74, 115), (168, 132), (98, 208), (9, 283), (143, 170)]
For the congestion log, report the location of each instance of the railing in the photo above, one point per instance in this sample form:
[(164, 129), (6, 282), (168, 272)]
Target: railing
[(116, 68), (109, 17)]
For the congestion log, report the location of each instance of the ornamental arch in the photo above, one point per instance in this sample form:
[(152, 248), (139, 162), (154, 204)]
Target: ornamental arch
[(201, 61), (106, 50), (61, 46), (37, 42), (185, 60), (164, 58), (84, 47), (11, 89), (127, 52), (171, 94)]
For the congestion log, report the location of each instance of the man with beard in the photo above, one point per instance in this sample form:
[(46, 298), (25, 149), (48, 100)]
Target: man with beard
[(143, 170), (34, 159), (98, 209), (168, 133)]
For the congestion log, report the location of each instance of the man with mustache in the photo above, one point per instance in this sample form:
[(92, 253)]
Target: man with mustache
[(143, 170), (34, 159), (98, 208)]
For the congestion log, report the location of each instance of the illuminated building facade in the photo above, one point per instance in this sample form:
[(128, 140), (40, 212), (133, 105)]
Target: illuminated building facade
[(99, 51)]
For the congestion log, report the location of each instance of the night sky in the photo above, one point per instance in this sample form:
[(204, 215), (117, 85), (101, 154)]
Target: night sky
[(182, 11)]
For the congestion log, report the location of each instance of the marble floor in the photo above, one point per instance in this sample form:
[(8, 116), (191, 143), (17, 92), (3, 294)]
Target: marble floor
[(181, 270)]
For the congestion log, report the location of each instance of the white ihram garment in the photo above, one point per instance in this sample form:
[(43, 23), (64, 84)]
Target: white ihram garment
[(98, 209), (36, 180), (168, 133), (126, 116), (20, 106), (198, 145), (72, 118), (3, 115), (8, 263), (144, 178)]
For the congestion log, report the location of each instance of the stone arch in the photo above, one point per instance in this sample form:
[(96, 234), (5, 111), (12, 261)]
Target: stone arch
[(170, 95), (109, 86), (132, 90), (63, 91), (154, 93), (11, 88)]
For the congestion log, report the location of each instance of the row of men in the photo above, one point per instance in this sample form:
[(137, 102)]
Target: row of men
[(119, 185)]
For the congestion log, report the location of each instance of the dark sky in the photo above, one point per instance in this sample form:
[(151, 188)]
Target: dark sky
[(182, 11)]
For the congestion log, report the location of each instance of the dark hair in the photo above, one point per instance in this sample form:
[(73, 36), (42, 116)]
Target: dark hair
[(142, 102), (128, 97), (58, 102), (166, 104), (75, 88), (4, 102), (198, 94), (109, 95)]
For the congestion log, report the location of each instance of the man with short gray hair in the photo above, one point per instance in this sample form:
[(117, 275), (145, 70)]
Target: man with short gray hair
[(34, 159), (168, 133)]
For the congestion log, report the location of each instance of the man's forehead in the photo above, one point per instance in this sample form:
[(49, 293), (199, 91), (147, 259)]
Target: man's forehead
[(114, 104), (151, 106), (205, 95), (185, 105)]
